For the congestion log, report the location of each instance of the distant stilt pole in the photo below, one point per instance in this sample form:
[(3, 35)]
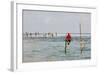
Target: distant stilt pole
[(80, 37), (65, 47), (56, 34), (80, 33), (81, 41)]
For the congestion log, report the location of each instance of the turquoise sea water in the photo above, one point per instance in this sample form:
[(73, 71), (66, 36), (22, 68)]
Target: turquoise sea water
[(38, 49)]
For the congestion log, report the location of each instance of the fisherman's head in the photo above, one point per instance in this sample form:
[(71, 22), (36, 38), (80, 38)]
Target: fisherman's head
[(68, 33)]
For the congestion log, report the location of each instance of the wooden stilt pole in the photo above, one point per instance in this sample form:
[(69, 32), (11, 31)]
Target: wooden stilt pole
[(80, 40), (65, 47)]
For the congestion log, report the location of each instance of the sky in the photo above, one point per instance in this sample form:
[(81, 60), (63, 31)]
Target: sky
[(55, 21)]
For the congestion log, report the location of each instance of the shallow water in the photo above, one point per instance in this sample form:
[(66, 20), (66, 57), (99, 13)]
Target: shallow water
[(53, 49)]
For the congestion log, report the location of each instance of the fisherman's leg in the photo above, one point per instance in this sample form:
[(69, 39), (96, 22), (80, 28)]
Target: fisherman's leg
[(81, 50), (68, 44)]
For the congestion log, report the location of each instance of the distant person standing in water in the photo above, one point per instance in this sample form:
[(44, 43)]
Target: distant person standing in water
[(67, 41)]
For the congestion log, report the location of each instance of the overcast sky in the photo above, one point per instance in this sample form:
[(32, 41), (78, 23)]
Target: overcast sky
[(61, 22)]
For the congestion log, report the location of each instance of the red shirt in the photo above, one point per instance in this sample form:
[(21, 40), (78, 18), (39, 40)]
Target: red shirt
[(68, 37)]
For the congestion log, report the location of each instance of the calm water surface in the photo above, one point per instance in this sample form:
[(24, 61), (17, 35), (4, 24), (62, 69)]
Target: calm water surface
[(52, 49)]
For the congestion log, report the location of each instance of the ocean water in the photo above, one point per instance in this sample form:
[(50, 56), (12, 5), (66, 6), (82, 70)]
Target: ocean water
[(39, 49)]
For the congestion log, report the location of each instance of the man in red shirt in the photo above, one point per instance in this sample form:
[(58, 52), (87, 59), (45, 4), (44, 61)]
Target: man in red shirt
[(67, 41)]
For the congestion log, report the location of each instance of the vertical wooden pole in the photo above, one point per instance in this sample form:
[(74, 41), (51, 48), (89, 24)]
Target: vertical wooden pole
[(65, 47), (80, 33), (81, 38)]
